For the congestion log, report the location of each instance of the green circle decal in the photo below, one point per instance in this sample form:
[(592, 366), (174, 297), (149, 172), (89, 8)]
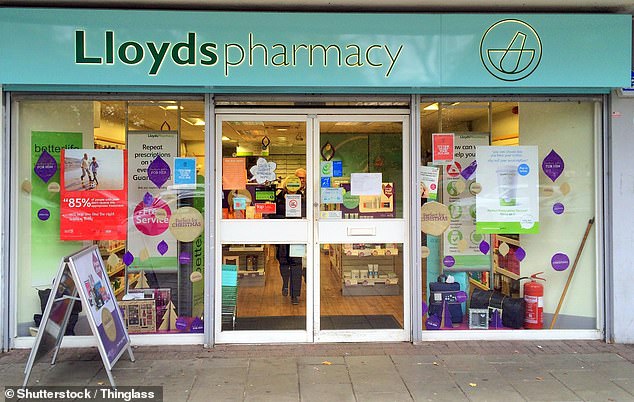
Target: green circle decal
[(454, 237), (350, 201), (472, 211), (451, 188), (455, 211), (476, 238)]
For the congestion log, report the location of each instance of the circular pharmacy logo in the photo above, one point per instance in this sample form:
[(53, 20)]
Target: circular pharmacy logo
[(510, 50)]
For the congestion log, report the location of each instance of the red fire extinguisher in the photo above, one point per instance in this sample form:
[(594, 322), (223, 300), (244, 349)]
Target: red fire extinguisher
[(534, 300)]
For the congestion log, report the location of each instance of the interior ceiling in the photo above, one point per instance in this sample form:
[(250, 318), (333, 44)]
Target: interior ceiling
[(582, 6), (154, 115)]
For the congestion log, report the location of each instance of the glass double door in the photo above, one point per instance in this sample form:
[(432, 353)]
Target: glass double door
[(311, 227)]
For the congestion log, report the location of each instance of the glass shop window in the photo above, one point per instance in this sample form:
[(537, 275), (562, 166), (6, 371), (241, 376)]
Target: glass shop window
[(128, 177), (507, 194)]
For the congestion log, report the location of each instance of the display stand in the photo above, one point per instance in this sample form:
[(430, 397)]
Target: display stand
[(82, 273)]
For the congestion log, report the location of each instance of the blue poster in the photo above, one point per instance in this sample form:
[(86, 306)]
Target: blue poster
[(185, 173), (337, 168)]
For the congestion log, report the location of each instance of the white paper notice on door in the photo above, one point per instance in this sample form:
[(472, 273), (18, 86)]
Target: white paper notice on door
[(366, 183)]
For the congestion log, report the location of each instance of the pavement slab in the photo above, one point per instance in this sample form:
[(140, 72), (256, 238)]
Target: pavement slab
[(398, 371)]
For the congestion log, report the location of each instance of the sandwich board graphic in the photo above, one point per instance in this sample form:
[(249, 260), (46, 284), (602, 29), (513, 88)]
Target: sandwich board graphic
[(82, 277)]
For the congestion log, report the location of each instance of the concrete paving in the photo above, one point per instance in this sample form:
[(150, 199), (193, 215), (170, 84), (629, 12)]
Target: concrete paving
[(431, 371)]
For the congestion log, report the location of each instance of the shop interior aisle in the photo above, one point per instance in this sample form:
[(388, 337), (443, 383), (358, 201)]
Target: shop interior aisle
[(268, 301)]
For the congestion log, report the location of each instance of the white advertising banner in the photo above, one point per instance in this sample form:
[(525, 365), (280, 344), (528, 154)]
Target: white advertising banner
[(151, 199), (509, 200)]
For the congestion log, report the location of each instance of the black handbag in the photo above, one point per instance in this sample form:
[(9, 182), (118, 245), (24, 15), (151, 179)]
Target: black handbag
[(512, 308), (442, 292)]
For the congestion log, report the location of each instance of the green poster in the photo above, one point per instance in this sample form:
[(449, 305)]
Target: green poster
[(198, 255), (46, 247)]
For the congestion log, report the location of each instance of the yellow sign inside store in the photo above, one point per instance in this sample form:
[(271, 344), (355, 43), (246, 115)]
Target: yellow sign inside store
[(293, 184)]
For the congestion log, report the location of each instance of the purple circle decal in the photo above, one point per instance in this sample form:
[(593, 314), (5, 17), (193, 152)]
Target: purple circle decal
[(128, 258), (558, 208), (461, 296), (433, 322), (162, 247), (185, 258), (520, 254), (148, 199), (43, 214), (484, 247), (448, 261), (560, 262), (425, 308), (181, 323)]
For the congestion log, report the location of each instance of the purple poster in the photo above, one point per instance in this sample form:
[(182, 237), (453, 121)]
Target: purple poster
[(45, 167), (553, 165), (158, 172)]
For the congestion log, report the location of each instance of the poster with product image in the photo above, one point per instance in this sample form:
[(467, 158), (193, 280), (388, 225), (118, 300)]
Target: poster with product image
[(88, 270), (82, 274), (93, 194), (152, 199), (509, 199), (460, 240)]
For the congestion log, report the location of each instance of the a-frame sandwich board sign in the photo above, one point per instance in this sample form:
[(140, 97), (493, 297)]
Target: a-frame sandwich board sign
[(82, 274)]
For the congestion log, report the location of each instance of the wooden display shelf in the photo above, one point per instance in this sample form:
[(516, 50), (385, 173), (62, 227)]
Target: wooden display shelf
[(508, 240), (246, 249), (119, 291), (118, 268), (506, 273), (478, 284), (370, 252), (111, 251), (133, 280), (370, 281)]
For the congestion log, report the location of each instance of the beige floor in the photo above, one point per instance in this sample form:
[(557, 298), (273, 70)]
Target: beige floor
[(267, 300)]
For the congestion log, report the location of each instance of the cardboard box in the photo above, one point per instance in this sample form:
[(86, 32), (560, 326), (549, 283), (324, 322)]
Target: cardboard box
[(139, 316)]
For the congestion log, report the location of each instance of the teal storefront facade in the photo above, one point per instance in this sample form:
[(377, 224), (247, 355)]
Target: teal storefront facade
[(291, 67)]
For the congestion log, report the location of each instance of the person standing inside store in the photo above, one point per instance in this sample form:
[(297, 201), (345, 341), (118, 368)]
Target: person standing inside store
[(291, 271), (291, 268)]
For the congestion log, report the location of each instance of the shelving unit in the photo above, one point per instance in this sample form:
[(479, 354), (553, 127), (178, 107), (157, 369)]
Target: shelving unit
[(116, 271), (352, 264), (250, 261), (506, 268), (478, 284)]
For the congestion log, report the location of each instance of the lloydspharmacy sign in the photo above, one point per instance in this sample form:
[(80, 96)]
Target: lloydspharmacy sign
[(195, 51)]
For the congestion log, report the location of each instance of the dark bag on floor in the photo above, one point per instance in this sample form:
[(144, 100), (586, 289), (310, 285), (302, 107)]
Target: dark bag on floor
[(442, 291), (512, 307)]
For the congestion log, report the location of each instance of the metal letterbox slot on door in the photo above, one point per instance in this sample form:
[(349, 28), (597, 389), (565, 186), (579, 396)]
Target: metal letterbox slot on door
[(361, 231)]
